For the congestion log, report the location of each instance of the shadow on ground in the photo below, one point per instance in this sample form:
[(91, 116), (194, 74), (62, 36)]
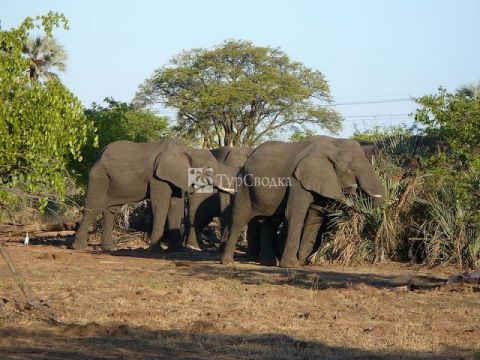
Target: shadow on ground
[(205, 265), (121, 341)]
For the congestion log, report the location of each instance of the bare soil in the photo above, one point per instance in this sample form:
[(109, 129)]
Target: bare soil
[(132, 304)]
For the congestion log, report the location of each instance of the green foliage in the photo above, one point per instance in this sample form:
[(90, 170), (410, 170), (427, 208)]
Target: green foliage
[(380, 132), (118, 121), (299, 135), (238, 94), (446, 230), (42, 124), (455, 118)]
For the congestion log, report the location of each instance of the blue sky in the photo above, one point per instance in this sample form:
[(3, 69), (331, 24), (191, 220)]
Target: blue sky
[(368, 50)]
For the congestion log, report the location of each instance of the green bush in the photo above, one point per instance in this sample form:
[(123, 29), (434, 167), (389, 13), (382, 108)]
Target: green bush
[(42, 125)]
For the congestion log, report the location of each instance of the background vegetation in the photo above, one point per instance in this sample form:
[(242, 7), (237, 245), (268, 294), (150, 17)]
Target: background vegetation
[(239, 94)]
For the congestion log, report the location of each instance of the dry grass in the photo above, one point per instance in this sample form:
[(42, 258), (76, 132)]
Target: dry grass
[(134, 304)]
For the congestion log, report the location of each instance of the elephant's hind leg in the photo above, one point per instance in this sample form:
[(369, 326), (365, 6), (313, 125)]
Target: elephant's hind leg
[(94, 204)]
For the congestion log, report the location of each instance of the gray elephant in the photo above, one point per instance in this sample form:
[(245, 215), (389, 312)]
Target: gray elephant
[(128, 172), (203, 207), (284, 179)]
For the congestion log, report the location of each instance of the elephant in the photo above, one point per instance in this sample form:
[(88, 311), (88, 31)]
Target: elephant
[(128, 172), (298, 174), (203, 207)]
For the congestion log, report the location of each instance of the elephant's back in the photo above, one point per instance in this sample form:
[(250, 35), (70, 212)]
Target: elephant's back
[(273, 158), (129, 157)]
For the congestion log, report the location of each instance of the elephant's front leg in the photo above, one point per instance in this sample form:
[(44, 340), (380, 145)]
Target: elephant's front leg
[(174, 218), (241, 214), (160, 194), (297, 206), (193, 231), (108, 217), (89, 217)]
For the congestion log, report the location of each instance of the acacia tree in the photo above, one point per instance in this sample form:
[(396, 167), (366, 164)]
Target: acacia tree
[(42, 125), (238, 94)]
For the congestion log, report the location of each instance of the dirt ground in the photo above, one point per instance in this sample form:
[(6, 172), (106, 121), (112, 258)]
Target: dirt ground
[(132, 304)]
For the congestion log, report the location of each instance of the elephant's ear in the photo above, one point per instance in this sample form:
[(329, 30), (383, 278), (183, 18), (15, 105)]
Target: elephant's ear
[(173, 168), (316, 173)]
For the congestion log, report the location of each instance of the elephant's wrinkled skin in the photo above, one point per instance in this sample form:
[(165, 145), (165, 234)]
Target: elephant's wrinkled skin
[(128, 172), (318, 166)]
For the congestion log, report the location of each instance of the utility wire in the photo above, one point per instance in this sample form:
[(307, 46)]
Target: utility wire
[(376, 116), (370, 102)]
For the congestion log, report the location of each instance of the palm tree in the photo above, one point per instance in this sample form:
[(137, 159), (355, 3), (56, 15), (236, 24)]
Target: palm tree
[(471, 91), (45, 54)]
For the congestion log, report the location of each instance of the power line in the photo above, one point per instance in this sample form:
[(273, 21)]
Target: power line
[(370, 102), (376, 115), (376, 120)]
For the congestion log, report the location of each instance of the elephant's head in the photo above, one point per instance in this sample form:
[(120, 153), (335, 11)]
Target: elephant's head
[(191, 169), (334, 170), (236, 157)]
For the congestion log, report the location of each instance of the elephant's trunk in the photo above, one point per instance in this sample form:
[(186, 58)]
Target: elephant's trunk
[(371, 184), (225, 178)]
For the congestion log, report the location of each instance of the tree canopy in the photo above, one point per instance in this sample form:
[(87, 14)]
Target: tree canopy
[(117, 120), (239, 94), (42, 125), (453, 117)]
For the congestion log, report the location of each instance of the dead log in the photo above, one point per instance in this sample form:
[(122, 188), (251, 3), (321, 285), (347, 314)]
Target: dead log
[(12, 230), (40, 235)]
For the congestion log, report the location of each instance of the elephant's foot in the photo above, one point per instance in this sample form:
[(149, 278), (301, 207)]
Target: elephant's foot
[(191, 247), (155, 248), (227, 260), (109, 246), (268, 261), (175, 249), (289, 263), (255, 257), (79, 244)]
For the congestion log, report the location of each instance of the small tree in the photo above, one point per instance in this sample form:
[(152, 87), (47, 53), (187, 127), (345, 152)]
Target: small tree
[(238, 94), (45, 55)]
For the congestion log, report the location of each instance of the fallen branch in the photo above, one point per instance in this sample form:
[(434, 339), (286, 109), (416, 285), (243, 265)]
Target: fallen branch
[(50, 234), (12, 230)]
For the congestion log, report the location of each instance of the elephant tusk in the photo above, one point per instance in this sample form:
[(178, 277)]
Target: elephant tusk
[(230, 191), (377, 196)]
